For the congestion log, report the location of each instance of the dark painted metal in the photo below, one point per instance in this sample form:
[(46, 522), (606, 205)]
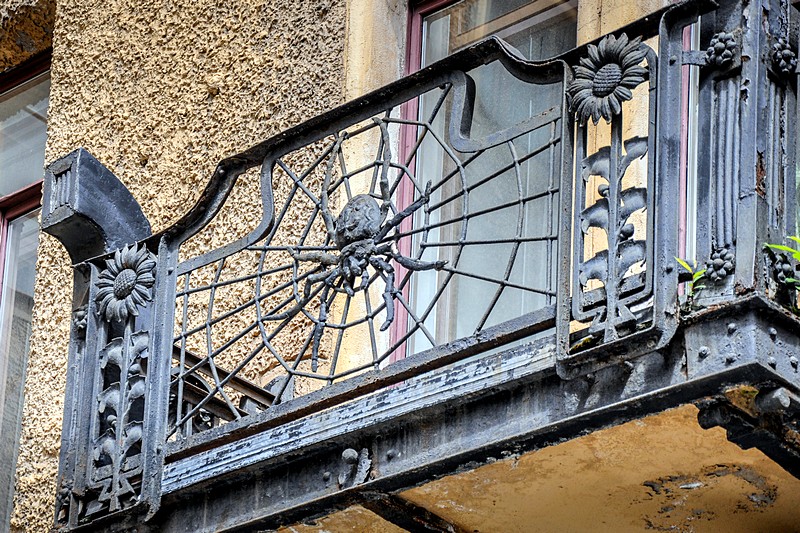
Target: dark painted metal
[(91, 212), (410, 517), (161, 435), (88, 209)]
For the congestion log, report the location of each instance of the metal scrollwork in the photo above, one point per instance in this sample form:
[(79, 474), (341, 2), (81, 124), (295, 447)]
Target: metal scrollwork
[(610, 254), (122, 289), (116, 451), (611, 269)]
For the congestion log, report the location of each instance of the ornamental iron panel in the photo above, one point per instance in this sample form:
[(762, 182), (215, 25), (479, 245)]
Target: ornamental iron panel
[(419, 225), (385, 254)]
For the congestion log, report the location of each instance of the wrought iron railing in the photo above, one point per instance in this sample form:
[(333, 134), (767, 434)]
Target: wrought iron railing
[(405, 224)]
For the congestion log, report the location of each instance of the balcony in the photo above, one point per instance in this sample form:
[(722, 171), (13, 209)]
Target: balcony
[(429, 280)]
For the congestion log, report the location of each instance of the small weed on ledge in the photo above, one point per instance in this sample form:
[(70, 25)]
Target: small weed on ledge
[(694, 277), (784, 272)]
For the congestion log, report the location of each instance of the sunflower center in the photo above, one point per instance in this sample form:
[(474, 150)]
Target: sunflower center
[(606, 80), (124, 284)]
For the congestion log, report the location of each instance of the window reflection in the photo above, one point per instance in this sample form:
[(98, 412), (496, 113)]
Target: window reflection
[(23, 132), (539, 30)]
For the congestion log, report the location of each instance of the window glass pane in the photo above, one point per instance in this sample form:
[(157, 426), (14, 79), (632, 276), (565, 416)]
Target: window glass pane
[(23, 131), (15, 325), (539, 29), (517, 242)]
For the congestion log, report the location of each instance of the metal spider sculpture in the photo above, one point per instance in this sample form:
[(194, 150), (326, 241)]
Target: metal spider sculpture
[(359, 234)]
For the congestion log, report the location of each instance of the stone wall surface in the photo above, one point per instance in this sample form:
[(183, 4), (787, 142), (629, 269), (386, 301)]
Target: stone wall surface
[(159, 91)]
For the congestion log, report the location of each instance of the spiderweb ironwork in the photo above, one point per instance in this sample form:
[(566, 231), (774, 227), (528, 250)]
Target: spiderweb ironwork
[(387, 237)]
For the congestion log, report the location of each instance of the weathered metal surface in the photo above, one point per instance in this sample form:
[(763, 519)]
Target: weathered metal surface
[(504, 407), (154, 418), (411, 517), (91, 212), (88, 209)]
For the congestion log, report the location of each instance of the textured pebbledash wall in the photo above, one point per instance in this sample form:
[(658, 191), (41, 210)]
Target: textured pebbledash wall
[(160, 91)]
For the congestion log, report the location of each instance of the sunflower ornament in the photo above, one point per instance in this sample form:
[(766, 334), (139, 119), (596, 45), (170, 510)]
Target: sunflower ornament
[(606, 77), (126, 283)]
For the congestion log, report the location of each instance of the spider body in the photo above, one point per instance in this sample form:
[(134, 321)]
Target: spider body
[(360, 234)]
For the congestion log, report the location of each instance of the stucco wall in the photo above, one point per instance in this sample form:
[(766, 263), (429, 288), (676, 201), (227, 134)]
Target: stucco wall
[(159, 92)]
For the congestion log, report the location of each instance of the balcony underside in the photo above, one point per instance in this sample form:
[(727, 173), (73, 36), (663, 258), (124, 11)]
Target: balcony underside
[(662, 472), (491, 407)]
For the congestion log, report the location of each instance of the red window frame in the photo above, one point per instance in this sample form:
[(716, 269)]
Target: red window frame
[(29, 197), (12, 206)]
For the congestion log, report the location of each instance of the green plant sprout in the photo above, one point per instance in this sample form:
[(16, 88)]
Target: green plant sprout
[(691, 285), (785, 269)]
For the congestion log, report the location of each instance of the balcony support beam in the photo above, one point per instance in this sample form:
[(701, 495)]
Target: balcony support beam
[(409, 516)]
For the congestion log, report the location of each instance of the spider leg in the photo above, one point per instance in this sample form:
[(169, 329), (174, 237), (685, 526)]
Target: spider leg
[(388, 294), (364, 279), (386, 158), (416, 264), (319, 327), (324, 207), (323, 276), (408, 211), (316, 256)]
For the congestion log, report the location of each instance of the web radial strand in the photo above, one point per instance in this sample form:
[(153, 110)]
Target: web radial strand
[(210, 343), (516, 241)]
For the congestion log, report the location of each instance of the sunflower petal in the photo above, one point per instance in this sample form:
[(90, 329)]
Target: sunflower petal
[(137, 298), (143, 293), (614, 104), (130, 306), (594, 55), (634, 71), (605, 109), (146, 279), (632, 59), (616, 48), (580, 84), (103, 292), (586, 63), (596, 113), (603, 47), (112, 267), (623, 93), (631, 46)]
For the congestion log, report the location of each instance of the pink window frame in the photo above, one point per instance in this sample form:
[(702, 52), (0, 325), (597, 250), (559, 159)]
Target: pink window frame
[(408, 136), (28, 198), (12, 206)]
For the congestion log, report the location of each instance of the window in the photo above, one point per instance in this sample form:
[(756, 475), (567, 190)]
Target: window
[(509, 268), (23, 128)]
